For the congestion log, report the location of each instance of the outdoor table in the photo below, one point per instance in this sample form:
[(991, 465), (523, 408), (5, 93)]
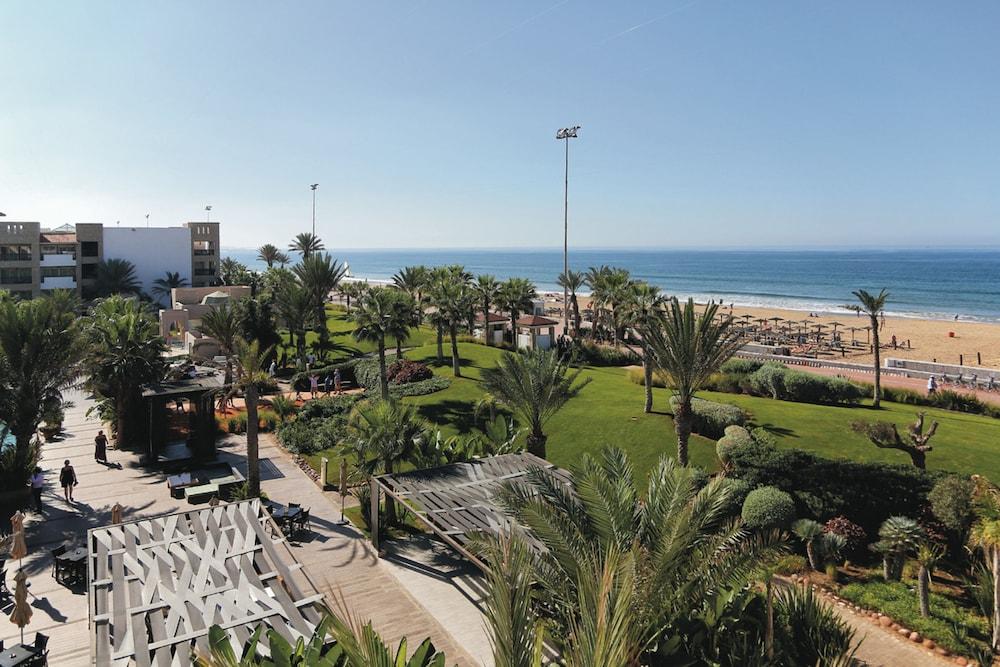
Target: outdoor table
[(176, 484), (18, 654), (283, 514), (76, 559)]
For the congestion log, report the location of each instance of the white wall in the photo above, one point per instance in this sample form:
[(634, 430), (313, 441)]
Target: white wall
[(153, 251)]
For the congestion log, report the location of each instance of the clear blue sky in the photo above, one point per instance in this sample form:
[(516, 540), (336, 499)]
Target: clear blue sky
[(432, 123)]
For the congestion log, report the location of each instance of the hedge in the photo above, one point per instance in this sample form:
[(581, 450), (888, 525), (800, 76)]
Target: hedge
[(590, 353), (768, 507), (710, 419), (780, 382), (865, 493), (421, 388), (308, 436)]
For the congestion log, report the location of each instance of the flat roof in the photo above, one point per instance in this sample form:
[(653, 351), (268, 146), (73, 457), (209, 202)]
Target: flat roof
[(157, 585)]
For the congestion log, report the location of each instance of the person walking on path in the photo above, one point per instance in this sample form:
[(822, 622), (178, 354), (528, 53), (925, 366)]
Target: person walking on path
[(931, 385), (37, 482), (67, 479), (337, 381), (313, 385), (101, 448), (327, 383)]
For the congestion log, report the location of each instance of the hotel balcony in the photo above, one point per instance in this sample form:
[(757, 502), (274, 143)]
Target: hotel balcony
[(53, 260), (58, 282)]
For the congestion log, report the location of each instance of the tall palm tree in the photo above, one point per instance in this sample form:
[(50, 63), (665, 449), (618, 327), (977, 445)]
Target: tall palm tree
[(516, 296), (163, 286), (487, 288), (306, 244), (296, 309), (251, 376), (376, 317), (320, 274), (125, 351), (412, 280), (453, 300), (352, 290), (873, 305), (688, 348), (270, 255), (116, 276), (929, 554), (644, 305), (223, 324), (40, 349), (405, 316), (381, 435), (534, 386), (610, 287), (985, 537), (256, 320), (602, 536), (234, 272), (573, 281)]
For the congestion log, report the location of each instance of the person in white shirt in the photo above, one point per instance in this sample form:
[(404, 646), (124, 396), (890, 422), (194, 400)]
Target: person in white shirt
[(931, 384)]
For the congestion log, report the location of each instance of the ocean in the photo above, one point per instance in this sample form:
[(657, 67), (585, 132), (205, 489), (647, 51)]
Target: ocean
[(934, 284)]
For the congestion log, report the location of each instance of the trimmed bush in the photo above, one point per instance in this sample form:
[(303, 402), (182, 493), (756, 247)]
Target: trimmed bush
[(737, 491), (735, 436), (769, 380), (768, 507), (308, 436), (710, 419), (740, 366), (404, 371), (790, 564), (951, 503), (328, 406), (590, 353), (946, 399), (782, 383), (422, 388)]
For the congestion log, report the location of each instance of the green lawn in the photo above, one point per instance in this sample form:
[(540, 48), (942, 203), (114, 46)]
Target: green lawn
[(342, 339), (609, 412)]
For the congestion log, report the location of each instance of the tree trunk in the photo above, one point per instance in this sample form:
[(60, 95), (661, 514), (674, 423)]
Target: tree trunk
[(682, 426), (536, 443), (399, 349), (887, 567), (811, 555), (348, 304), (923, 590), (647, 370), (456, 361), (383, 376), (576, 315), (919, 458), (513, 329), (440, 343), (253, 459), (877, 398), (769, 634), (486, 322)]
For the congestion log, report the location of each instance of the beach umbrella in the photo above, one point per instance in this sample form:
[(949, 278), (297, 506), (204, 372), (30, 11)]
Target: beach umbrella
[(853, 329), (18, 545), (116, 513), (21, 614)]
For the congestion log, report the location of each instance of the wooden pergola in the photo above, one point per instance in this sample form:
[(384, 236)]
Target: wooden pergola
[(457, 501), (157, 585)]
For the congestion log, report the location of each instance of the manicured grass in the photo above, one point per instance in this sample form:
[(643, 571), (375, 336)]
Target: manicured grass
[(344, 346), (608, 411)]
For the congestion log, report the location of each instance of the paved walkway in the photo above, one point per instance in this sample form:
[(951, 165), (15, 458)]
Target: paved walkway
[(337, 558)]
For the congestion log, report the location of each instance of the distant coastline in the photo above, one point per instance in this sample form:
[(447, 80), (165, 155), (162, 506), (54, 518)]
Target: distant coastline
[(925, 284)]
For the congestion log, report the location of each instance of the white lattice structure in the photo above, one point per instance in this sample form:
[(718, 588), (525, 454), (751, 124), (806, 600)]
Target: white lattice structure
[(157, 585)]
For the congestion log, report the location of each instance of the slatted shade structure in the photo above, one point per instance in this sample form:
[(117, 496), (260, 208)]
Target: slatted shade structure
[(157, 585), (457, 501)]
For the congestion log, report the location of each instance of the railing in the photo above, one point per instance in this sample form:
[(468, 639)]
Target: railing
[(204, 272), (821, 363), (200, 252)]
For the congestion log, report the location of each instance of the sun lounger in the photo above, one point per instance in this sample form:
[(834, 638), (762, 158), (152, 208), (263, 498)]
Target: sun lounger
[(203, 493)]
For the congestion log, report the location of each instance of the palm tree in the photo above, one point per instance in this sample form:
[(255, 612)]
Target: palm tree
[(352, 290), (162, 286), (125, 351), (256, 320), (295, 307), (872, 306), (601, 536), (610, 288), (223, 324), (644, 305), (573, 281), (306, 244), (487, 288), (270, 255), (320, 274), (116, 276), (376, 317), (929, 555), (688, 348), (412, 280), (406, 314), (516, 296), (534, 386), (985, 537), (809, 532), (251, 376), (40, 349), (382, 435), (233, 272), (453, 300)]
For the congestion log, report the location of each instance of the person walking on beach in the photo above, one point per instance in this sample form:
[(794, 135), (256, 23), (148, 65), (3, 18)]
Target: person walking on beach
[(337, 380), (67, 479), (37, 482), (931, 385), (895, 346), (101, 448)]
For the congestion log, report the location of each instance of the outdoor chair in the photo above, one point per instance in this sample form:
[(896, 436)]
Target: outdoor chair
[(4, 591), (2, 646), (41, 645), (293, 505), (57, 564), (303, 520)]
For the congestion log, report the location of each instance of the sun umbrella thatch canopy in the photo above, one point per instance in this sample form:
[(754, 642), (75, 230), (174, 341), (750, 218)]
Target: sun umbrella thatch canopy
[(18, 547), (21, 615)]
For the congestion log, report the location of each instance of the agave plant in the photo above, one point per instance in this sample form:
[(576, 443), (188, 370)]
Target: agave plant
[(898, 537)]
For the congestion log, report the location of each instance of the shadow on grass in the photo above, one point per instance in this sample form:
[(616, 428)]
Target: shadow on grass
[(778, 430), (458, 414)]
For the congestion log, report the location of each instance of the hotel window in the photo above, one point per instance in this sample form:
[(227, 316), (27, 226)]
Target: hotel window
[(15, 276), (15, 253), (88, 248), (88, 271), (58, 272)]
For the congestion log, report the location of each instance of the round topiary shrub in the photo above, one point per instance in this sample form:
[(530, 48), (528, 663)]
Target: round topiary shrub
[(736, 492), (735, 436), (768, 507)]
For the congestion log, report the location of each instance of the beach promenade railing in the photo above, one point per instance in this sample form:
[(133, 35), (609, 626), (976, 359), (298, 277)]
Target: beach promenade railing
[(811, 362), (926, 368)]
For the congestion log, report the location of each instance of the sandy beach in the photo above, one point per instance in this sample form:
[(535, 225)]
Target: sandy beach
[(929, 340)]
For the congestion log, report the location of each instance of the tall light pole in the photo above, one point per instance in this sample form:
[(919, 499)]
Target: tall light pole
[(147, 221), (313, 188), (565, 134), (208, 213)]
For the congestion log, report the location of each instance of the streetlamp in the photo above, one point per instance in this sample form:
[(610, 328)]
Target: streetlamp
[(313, 188), (147, 221), (208, 213), (566, 134)]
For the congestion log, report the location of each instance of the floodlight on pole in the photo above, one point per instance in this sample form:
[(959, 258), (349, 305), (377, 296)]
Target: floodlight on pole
[(147, 221), (313, 188), (208, 213), (565, 134)]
